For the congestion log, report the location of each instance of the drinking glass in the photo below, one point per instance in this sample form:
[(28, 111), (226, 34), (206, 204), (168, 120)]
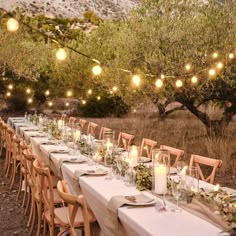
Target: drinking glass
[(176, 192), (191, 179), (180, 165)]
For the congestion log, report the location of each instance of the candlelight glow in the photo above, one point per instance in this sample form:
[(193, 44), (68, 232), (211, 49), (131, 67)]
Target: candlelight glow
[(97, 70), (136, 80), (10, 86), (12, 25), (159, 83), (194, 79), (212, 72), (179, 83), (61, 54)]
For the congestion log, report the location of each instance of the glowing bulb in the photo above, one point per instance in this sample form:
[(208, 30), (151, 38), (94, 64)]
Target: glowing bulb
[(136, 80), (30, 100), (83, 102), (28, 90), (179, 83), (159, 83), (98, 98), (187, 67), (162, 76), (231, 56), (212, 72), (215, 55), (8, 94), (47, 93), (50, 104), (111, 92), (12, 25), (67, 104), (114, 88), (220, 65), (61, 54), (90, 91), (69, 93), (97, 70), (10, 86), (194, 79)]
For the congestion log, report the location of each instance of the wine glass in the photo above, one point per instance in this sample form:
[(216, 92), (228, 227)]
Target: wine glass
[(176, 192), (180, 165)]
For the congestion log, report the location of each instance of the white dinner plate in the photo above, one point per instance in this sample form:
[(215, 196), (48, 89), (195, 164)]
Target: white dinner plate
[(173, 170), (144, 159), (96, 172), (142, 203)]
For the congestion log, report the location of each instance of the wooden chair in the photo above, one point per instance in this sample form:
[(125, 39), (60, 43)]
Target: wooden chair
[(82, 124), (2, 135), (92, 127), (78, 213), (71, 120), (176, 153), (102, 131), (147, 146), (9, 150), (124, 140), (197, 160), (63, 117), (41, 185)]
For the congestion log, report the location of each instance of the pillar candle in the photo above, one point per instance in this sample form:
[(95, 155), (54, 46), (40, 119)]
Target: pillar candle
[(133, 155), (77, 135), (160, 179)]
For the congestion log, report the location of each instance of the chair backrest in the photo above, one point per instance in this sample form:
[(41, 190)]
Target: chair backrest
[(174, 153), (29, 159), (102, 131), (124, 140), (9, 138), (147, 146), (82, 124), (92, 127), (74, 202), (72, 120), (196, 160), (16, 146), (63, 117)]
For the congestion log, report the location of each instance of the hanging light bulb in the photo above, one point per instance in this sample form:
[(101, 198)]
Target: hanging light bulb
[(159, 83), (212, 72), (90, 91), (231, 56), (114, 89), (67, 104), (220, 65), (50, 104), (10, 86), (162, 76), (215, 55), (83, 102), (97, 70), (47, 93), (8, 94), (136, 80), (111, 92), (194, 79), (61, 54), (98, 98), (69, 93), (28, 90), (188, 67), (30, 100), (12, 25), (179, 83)]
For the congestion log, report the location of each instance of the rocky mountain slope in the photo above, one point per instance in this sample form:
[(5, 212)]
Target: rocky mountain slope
[(73, 8)]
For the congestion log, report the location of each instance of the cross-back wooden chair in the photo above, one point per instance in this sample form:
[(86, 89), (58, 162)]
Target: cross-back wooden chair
[(124, 140), (79, 215), (15, 158), (82, 124), (92, 127), (147, 146), (2, 134), (63, 117), (71, 120), (176, 153), (9, 150), (197, 160), (102, 131), (41, 185)]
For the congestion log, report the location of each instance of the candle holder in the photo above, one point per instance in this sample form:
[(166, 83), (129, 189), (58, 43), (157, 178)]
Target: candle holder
[(133, 155), (160, 168)]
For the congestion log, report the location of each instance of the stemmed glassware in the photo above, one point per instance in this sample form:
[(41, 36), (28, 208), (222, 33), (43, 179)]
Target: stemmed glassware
[(179, 167), (176, 188)]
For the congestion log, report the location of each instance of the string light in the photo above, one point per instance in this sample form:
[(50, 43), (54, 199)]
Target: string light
[(83, 102), (69, 93), (231, 56), (98, 98), (12, 25), (90, 91), (136, 80), (111, 92), (114, 89), (212, 72), (97, 70), (28, 90), (188, 67), (10, 86), (47, 93), (159, 83), (30, 100), (215, 55), (50, 104), (162, 76), (67, 104), (179, 83), (61, 54), (8, 94), (194, 79), (219, 65)]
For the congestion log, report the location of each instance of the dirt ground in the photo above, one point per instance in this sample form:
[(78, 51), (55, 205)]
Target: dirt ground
[(12, 218)]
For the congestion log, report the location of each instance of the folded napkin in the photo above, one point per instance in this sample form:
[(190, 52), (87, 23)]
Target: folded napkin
[(47, 143), (29, 129), (80, 172)]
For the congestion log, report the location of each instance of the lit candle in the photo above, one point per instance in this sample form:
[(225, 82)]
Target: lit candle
[(183, 172), (77, 135), (109, 145), (133, 155), (160, 173), (216, 188), (60, 124)]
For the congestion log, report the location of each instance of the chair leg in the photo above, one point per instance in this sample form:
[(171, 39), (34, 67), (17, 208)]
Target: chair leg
[(31, 210), (6, 162), (44, 228), (28, 200), (39, 210), (51, 230), (25, 192), (13, 174), (20, 186), (32, 216)]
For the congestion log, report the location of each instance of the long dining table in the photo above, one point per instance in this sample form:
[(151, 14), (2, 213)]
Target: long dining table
[(98, 190)]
